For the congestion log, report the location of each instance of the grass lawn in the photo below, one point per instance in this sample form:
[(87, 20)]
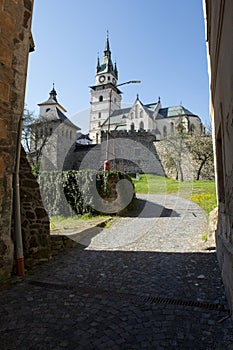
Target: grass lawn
[(62, 223), (201, 192)]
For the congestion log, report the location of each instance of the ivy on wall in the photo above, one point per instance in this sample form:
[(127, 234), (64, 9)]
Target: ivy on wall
[(78, 192)]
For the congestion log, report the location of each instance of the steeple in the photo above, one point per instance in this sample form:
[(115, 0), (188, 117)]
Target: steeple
[(53, 94), (106, 65), (107, 51), (115, 70), (98, 64)]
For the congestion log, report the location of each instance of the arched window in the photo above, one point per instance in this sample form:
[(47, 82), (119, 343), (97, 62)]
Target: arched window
[(47, 109), (141, 126), (164, 131), (192, 129), (99, 115), (136, 111), (132, 127), (50, 131), (172, 128), (100, 98), (141, 114), (131, 115)]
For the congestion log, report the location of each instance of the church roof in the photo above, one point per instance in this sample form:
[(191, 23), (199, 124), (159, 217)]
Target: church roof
[(56, 114), (174, 111), (65, 120), (84, 137), (117, 117), (52, 100)]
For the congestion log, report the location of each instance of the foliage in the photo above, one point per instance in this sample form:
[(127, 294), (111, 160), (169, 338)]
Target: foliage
[(206, 200), (74, 192)]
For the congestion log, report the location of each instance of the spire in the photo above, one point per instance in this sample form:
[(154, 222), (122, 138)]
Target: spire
[(107, 51), (106, 66), (98, 64), (115, 70), (53, 94)]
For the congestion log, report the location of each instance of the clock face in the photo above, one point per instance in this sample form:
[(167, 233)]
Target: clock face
[(101, 78)]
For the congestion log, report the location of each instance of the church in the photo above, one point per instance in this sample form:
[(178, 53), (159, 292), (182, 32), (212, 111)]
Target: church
[(143, 124), (107, 115)]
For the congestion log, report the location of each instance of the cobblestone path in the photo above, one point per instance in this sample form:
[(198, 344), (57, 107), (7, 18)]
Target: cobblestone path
[(147, 282)]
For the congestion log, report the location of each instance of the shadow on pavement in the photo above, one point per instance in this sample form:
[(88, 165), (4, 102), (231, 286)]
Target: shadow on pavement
[(147, 209)]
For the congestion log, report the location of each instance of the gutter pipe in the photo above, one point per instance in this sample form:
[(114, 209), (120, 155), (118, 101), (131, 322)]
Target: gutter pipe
[(17, 212)]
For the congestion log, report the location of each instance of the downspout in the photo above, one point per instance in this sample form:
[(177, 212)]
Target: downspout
[(17, 212), (16, 190)]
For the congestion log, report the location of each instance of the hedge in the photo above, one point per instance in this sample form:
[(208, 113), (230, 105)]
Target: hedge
[(85, 191)]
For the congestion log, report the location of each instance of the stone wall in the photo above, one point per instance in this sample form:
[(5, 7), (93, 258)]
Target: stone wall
[(219, 29), (34, 218), (15, 43), (189, 165), (129, 152)]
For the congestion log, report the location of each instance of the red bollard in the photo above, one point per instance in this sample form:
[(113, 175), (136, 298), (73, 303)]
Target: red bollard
[(106, 165)]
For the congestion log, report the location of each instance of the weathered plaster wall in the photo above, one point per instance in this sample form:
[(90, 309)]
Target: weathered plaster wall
[(219, 31), (15, 23)]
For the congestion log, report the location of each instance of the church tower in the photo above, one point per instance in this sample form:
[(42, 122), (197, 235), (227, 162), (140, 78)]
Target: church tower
[(105, 96)]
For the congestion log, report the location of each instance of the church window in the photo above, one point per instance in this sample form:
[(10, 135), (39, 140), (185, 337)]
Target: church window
[(141, 126), (100, 98), (136, 111), (132, 127), (99, 124), (109, 78), (50, 131), (164, 131), (172, 128), (99, 114), (47, 109), (192, 129), (131, 115), (141, 114)]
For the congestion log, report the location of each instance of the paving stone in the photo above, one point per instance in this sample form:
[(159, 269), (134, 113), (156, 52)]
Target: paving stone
[(104, 295)]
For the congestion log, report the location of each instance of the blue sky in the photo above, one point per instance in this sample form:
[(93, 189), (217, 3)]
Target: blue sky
[(160, 42)]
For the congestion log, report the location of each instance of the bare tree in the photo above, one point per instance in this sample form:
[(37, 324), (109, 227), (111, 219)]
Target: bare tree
[(201, 149), (35, 135), (175, 147)]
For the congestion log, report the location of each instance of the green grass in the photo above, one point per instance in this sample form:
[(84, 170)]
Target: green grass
[(61, 223), (201, 192)]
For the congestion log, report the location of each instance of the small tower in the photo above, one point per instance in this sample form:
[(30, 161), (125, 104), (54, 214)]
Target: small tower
[(105, 96), (55, 133)]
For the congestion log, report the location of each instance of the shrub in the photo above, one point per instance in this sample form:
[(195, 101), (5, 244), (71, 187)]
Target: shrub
[(81, 192)]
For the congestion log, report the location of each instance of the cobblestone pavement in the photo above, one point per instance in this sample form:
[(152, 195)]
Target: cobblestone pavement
[(148, 282)]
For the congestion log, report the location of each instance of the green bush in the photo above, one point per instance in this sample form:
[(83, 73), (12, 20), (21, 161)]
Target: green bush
[(80, 192)]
